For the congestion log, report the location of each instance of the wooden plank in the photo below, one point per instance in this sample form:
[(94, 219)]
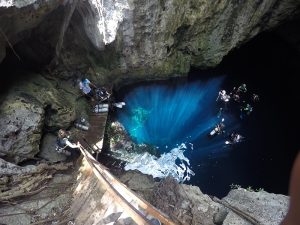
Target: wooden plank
[(94, 136), (118, 198), (119, 194)]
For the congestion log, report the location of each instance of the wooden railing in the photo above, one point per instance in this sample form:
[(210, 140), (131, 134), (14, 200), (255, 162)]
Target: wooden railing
[(137, 208)]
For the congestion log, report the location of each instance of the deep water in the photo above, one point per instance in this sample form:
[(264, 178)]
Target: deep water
[(171, 113), (166, 114)]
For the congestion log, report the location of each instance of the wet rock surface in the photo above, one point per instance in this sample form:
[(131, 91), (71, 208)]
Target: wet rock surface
[(120, 141)]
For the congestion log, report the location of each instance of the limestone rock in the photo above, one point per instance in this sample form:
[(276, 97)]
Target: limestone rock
[(21, 123), (170, 35), (185, 204), (139, 38), (164, 37), (102, 20), (8, 169), (47, 203), (220, 216), (234, 219), (267, 208), (120, 141), (142, 184), (29, 107)]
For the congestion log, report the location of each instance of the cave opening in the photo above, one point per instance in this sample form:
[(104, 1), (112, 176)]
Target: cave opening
[(21, 61), (269, 66)]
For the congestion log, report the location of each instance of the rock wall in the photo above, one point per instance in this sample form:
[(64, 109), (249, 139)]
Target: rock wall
[(143, 39), (113, 42), (266, 208), (163, 37), (186, 204), (31, 108)]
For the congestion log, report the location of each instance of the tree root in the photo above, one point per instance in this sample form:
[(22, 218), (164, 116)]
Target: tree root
[(60, 186), (65, 23), (27, 211), (29, 183), (25, 189), (33, 212), (12, 214), (10, 169), (10, 45)]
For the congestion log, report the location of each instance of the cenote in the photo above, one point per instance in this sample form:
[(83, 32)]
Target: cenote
[(179, 111)]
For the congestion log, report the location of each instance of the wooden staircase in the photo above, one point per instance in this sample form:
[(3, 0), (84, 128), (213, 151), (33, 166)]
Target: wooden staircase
[(99, 198)]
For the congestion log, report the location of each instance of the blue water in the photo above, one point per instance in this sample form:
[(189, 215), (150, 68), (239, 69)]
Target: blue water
[(167, 115)]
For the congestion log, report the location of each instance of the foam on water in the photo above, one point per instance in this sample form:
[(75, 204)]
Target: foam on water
[(163, 166)]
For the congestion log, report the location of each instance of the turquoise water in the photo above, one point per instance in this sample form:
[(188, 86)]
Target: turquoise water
[(176, 117), (166, 115)]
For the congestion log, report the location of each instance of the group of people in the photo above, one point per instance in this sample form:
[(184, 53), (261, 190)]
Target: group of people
[(238, 96), (92, 93)]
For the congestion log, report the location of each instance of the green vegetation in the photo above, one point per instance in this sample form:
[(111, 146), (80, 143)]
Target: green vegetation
[(249, 188)]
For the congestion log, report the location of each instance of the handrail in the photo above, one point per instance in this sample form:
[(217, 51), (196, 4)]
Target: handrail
[(144, 204), (133, 212), (113, 184)]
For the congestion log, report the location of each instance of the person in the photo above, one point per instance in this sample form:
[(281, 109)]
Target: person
[(84, 85), (224, 98), (220, 112), (102, 94), (242, 88), (235, 95), (293, 215), (63, 143), (218, 129), (234, 138), (236, 98), (255, 98), (245, 110)]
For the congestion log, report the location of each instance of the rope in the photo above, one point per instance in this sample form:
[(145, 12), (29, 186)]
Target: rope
[(10, 45)]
